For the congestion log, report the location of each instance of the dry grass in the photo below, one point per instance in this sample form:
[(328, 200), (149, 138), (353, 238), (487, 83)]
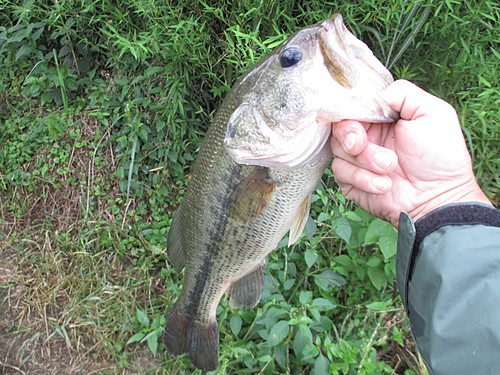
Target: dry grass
[(61, 312), (67, 297), (63, 309)]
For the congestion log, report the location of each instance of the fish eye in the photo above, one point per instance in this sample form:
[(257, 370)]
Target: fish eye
[(290, 57)]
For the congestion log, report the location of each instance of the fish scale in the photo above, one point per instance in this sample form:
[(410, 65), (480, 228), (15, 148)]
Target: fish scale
[(262, 157)]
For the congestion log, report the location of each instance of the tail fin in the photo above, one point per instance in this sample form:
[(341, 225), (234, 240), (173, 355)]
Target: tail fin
[(200, 341)]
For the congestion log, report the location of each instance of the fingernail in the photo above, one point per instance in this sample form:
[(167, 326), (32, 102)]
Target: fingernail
[(350, 141), (380, 183), (383, 160)]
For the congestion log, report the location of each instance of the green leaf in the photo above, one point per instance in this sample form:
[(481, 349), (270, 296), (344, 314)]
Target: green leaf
[(289, 283), (310, 351), (305, 319), (380, 306), (172, 155), (142, 318), (156, 250), (396, 333), (121, 81), (321, 365), (323, 216), (360, 272), (329, 278), (342, 227), (278, 333), (388, 243), (377, 229), (137, 337), (153, 70), (235, 324), (264, 358), (343, 259), (119, 346), (311, 256), (495, 52), (152, 340), (351, 215), (363, 215), (377, 277), (305, 297), (323, 304), (162, 191), (340, 197), (374, 261), (306, 331), (310, 229), (281, 354), (160, 124), (64, 51), (23, 51), (283, 242), (390, 268), (302, 338), (264, 334), (315, 312), (123, 141), (323, 324), (37, 33)]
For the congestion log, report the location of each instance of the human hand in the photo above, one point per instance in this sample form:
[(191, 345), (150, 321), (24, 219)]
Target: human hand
[(414, 165)]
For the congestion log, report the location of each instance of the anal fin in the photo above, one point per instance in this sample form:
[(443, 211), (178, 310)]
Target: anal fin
[(300, 220), (200, 341), (248, 290), (175, 250)]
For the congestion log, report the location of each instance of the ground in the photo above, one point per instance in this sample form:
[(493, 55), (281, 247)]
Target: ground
[(29, 345)]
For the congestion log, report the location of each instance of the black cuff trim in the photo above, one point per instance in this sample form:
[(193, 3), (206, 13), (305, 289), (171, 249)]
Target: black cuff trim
[(456, 214)]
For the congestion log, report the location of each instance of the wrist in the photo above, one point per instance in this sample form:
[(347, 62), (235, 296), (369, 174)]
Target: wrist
[(466, 194)]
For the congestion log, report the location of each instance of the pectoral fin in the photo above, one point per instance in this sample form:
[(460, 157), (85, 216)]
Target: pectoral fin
[(251, 196), (299, 222), (175, 251), (247, 290)]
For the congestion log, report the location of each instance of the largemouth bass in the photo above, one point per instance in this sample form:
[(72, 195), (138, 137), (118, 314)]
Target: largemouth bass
[(262, 157)]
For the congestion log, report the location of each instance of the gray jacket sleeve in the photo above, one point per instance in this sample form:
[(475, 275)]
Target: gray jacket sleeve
[(448, 276)]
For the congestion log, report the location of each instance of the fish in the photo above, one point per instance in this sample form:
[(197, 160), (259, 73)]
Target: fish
[(263, 155)]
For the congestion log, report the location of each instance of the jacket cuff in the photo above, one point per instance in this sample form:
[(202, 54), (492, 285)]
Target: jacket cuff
[(411, 235)]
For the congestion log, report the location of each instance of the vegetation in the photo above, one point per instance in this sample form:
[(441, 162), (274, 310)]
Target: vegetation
[(103, 106)]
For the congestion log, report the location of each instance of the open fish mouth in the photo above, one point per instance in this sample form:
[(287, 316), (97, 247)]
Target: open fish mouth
[(348, 59)]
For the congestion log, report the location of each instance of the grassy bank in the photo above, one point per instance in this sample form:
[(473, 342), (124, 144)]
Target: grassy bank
[(103, 106)]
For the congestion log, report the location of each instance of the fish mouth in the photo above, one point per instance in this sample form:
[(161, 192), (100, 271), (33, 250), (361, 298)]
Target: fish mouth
[(344, 44), (344, 38), (334, 48), (352, 65)]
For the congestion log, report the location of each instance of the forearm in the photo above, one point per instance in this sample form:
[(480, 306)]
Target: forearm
[(448, 272)]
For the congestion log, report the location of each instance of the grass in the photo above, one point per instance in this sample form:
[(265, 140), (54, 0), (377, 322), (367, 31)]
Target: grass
[(103, 106)]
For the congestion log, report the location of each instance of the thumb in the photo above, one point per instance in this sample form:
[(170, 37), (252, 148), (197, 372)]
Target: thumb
[(411, 101)]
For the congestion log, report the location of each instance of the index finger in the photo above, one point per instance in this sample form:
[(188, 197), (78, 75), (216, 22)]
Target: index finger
[(350, 135)]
